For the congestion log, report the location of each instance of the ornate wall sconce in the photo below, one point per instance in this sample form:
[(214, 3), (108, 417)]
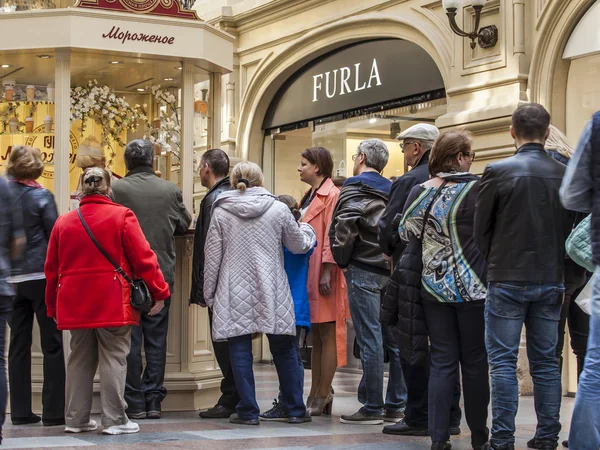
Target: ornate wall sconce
[(487, 37)]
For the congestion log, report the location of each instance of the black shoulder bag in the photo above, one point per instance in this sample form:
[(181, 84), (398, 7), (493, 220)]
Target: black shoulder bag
[(140, 297)]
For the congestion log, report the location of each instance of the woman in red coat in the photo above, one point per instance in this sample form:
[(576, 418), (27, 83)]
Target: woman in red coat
[(84, 294)]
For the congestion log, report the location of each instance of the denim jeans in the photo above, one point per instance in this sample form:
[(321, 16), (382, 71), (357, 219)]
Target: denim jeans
[(300, 333), (364, 296), (143, 390), (285, 358), (585, 425), (5, 311), (509, 305)]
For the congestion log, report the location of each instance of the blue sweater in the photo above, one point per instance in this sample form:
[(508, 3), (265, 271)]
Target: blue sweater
[(296, 269)]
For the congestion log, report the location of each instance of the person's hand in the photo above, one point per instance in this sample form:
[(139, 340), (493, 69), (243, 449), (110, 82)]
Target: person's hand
[(158, 306), (325, 283)]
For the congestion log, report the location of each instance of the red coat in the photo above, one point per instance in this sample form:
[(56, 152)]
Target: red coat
[(83, 289)]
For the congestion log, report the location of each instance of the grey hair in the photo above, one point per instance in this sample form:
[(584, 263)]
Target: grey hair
[(95, 180), (426, 145), (139, 153), (376, 153)]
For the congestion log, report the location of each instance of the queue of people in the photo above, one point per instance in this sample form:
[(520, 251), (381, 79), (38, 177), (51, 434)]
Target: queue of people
[(439, 270)]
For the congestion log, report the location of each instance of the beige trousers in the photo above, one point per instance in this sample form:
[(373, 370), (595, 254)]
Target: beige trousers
[(109, 347)]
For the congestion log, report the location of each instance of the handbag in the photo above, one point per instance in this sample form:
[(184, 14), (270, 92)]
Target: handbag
[(579, 245), (140, 297)]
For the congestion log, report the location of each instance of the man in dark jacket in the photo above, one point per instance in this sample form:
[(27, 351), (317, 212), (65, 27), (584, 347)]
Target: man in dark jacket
[(214, 167), (353, 240), (416, 145), (158, 206), (521, 228)]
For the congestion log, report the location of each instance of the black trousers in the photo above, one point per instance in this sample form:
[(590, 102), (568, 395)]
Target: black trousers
[(229, 393), (144, 388), (416, 413), (571, 313), (30, 301), (457, 337)]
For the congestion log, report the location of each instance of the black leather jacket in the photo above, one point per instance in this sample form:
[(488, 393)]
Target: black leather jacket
[(520, 224), (202, 225), (353, 231), (39, 214)]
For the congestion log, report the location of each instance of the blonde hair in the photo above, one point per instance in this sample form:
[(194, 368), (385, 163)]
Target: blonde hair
[(25, 163), (95, 180), (90, 154), (246, 175), (558, 141)]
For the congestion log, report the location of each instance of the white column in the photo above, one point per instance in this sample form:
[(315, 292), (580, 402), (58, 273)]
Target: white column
[(215, 104), (187, 135), (62, 129)]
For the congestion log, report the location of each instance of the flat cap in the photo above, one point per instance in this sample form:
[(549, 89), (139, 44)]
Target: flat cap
[(420, 131)]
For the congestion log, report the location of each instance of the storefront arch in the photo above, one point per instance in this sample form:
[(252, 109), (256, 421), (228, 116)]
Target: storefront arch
[(549, 71), (275, 69)]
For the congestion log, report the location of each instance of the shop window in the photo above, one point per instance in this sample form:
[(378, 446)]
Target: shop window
[(281, 157)]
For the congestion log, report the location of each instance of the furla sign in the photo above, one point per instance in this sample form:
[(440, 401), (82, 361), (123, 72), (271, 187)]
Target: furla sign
[(345, 80), (352, 77)]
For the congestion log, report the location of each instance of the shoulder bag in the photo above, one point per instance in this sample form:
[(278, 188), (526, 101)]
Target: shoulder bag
[(579, 245), (140, 297)]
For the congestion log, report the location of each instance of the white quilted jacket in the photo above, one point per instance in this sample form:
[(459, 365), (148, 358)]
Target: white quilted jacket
[(244, 279)]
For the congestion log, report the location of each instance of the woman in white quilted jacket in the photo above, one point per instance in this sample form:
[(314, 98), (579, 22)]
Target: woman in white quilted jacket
[(246, 286)]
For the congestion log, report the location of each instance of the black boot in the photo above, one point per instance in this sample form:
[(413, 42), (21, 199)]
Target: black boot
[(441, 445)]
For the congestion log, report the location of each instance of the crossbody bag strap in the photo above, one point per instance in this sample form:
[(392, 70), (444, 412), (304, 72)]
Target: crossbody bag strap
[(428, 210), (118, 268)]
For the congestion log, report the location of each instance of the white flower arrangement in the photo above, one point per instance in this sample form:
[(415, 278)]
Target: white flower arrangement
[(168, 135), (111, 112)]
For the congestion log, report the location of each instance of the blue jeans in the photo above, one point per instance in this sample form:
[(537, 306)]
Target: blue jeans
[(5, 312), (585, 426), (285, 358), (364, 296), (509, 305)]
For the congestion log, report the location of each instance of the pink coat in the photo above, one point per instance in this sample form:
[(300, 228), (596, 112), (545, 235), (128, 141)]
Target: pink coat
[(332, 307)]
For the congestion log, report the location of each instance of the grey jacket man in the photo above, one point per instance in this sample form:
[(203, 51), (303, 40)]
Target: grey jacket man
[(158, 206)]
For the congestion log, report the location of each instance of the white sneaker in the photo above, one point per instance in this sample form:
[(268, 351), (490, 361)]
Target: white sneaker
[(128, 428), (91, 426)]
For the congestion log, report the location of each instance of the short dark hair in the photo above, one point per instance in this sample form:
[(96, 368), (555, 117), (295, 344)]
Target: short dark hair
[(139, 153), (445, 149), (217, 160), (531, 121), (321, 158)]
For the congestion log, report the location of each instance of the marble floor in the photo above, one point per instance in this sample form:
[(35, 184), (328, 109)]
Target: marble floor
[(184, 430)]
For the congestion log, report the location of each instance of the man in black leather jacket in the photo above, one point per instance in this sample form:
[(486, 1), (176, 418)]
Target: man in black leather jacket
[(521, 228), (353, 241), (214, 168)]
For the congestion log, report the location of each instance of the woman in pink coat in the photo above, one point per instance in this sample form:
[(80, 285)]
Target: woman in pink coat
[(327, 292)]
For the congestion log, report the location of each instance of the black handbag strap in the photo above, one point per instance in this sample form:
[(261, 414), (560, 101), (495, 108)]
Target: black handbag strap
[(428, 210), (118, 268)]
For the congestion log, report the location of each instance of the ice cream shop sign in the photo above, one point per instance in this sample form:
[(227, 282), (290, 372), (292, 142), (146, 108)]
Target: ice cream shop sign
[(170, 8), (124, 36)]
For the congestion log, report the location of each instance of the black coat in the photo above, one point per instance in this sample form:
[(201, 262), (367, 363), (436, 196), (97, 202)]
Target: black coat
[(520, 224), (389, 241), (202, 225), (39, 214), (402, 307)]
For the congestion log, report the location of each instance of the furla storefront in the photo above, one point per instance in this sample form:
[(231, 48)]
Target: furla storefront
[(369, 89)]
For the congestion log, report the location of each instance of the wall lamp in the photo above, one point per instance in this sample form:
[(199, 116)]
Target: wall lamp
[(487, 37)]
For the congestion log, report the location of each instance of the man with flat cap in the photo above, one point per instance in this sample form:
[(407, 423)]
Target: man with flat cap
[(416, 143)]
